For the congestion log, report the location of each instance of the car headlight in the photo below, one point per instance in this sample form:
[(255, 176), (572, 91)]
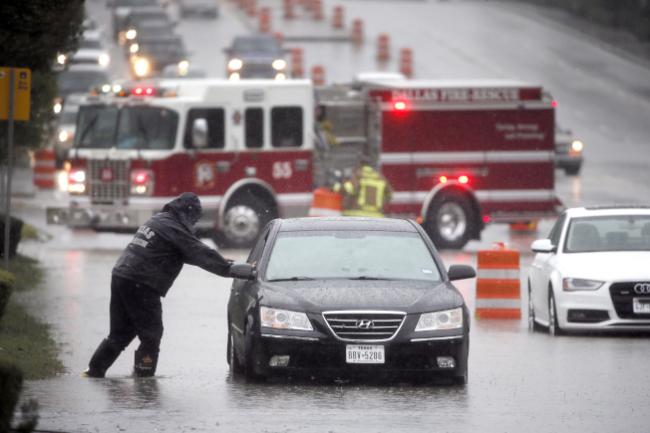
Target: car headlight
[(57, 107), (141, 67), (61, 59), (573, 284), (235, 64), (183, 67), (104, 60), (63, 136), (134, 48), (131, 34), (279, 64), (284, 319), (577, 146), (441, 320)]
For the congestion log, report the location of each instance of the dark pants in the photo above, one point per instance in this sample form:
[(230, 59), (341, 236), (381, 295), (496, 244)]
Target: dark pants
[(136, 310)]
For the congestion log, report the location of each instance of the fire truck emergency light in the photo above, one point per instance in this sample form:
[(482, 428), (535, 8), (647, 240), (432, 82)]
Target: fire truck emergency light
[(143, 91), (399, 105)]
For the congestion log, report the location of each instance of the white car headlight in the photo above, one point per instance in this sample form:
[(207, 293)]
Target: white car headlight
[(279, 64), (284, 319), (131, 34), (104, 59), (577, 146), (441, 320), (141, 67), (235, 64), (572, 284)]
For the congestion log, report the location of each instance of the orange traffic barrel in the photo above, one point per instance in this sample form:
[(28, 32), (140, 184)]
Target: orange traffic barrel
[(265, 20), (251, 7), (45, 168), (337, 17), (383, 47), (326, 203), (497, 284), (317, 9), (406, 62), (288, 10), (318, 75), (297, 66), (357, 31)]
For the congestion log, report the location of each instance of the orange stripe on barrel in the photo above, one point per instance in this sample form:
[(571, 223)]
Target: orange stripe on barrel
[(491, 289)]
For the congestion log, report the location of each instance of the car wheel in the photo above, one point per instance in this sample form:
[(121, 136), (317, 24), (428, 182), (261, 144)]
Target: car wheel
[(532, 324), (251, 359), (243, 222), (553, 326), (450, 220), (233, 360)]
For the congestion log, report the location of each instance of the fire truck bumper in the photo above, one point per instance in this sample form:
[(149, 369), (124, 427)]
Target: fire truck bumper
[(98, 217)]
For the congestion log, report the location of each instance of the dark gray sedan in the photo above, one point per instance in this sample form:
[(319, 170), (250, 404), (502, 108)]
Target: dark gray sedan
[(348, 297)]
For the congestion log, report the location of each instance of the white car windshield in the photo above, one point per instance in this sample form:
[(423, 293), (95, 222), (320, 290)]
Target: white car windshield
[(368, 255), (608, 233)]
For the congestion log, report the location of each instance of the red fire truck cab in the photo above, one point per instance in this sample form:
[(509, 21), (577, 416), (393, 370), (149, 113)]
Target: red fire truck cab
[(457, 154)]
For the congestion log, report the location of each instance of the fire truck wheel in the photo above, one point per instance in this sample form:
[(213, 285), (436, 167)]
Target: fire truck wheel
[(450, 220), (243, 222)]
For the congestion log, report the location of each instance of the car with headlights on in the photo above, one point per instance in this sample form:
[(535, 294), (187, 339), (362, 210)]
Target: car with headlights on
[(154, 54), (348, 297), (592, 272), (256, 56), (568, 151)]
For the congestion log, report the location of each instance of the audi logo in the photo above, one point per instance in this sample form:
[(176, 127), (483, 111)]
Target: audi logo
[(642, 288)]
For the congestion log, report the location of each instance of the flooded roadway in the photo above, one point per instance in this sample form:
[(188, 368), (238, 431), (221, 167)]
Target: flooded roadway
[(562, 384)]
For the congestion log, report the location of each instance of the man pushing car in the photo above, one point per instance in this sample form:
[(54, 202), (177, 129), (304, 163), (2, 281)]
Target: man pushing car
[(143, 274)]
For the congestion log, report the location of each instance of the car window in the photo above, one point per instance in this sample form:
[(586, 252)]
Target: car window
[(257, 250), (351, 255), (216, 127), (608, 233), (556, 231), (286, 126), (254, 126)]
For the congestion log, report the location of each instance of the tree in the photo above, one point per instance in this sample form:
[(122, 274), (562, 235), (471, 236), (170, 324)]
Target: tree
[(32, 33)]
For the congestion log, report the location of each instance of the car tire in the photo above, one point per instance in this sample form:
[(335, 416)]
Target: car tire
[(532, 324), (251, 359), (553, 325), (450, 220), (243, 222), (232, 359)]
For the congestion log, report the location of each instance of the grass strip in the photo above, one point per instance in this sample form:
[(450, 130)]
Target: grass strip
[(24, 340)]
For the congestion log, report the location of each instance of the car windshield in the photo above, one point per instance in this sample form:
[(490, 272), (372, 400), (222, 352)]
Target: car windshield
[(255, 45), (368, 255), (102, 126), (91, 44), (80, 81), (610, 233)]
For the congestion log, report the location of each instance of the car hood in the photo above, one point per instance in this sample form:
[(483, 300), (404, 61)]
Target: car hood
[(328, 295), (607, 266)]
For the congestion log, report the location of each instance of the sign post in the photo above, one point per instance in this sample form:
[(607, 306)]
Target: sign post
[(14, 105)]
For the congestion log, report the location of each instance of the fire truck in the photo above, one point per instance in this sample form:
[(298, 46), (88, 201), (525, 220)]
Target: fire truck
[(458, 154)]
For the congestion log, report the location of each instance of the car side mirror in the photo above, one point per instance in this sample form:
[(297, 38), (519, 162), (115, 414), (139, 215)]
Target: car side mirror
[(243, 271), (200, 133), (543, 246), (460, 272)]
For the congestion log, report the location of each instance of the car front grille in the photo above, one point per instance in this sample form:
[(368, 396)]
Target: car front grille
[(622, 295), (364, 326), (108, 180), (257, 70)]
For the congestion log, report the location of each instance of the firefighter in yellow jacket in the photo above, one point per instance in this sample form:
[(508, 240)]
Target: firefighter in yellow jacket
[(366, 194)]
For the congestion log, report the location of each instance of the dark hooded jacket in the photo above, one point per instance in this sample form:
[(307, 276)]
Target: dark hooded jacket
[(164, 243)]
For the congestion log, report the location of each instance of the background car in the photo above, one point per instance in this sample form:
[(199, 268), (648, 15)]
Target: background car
[(153, 55), (256, 56), (348, 296), (121, 9), (135, 16), (79, 79), (592, 272), (200, 8), (64, 133), (568, 151)]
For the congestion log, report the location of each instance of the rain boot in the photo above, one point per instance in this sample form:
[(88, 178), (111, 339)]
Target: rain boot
[(145, 363), (102, 359)]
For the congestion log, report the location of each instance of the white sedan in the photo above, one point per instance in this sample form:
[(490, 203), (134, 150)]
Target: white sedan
[(593, 272)]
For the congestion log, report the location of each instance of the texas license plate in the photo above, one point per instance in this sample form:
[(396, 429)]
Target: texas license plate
[(364, 354), (641, 305)]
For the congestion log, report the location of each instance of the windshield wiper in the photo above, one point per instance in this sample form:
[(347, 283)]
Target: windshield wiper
[(367, 278), (293, 279), (89, 127)]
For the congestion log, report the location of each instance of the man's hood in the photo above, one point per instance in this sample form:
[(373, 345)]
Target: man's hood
[(187, 207)]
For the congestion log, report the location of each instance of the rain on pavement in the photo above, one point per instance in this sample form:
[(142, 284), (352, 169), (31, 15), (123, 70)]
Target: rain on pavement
[(517, 380)]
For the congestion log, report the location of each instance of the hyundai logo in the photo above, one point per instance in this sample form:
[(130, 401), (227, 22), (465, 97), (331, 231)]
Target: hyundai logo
[(642, 288), (364, 324)]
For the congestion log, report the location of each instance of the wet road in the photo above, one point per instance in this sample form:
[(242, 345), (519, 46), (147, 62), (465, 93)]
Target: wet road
[(518, 380)]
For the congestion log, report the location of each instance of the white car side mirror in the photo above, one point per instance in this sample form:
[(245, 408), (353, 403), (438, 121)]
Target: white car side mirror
[(543, 246)]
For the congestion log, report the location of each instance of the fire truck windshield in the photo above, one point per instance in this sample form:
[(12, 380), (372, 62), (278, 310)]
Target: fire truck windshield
[(107, 126)]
